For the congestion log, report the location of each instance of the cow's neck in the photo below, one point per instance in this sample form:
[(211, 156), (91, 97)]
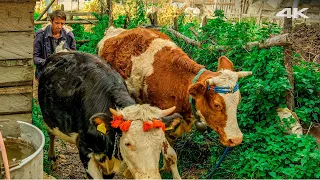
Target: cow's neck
[(200, 77)]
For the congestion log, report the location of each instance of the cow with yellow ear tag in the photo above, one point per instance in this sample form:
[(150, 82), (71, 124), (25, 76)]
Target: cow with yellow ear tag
[(76, 92)]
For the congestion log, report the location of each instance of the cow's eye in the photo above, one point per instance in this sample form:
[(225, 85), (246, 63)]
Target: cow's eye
[(129, 146), (216, 105)]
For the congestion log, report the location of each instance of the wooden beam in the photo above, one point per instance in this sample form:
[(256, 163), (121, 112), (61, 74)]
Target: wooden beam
[(78, 14), (71, 22), (17, 1), (16, 16), (16, 90), (15, 100), (16, 45), (208, 2)]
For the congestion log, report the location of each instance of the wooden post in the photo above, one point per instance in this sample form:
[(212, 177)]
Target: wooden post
[(175, 23), (204, 21), (102, 6), (153, 16), (260, 12), (288, 62), (109, 6)]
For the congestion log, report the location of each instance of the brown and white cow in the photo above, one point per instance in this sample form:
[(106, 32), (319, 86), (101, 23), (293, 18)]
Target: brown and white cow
[(158, 72)]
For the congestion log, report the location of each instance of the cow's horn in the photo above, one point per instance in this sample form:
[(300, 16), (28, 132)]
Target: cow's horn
[(115, 112), (209, 82), (242, 74), (168, 111)]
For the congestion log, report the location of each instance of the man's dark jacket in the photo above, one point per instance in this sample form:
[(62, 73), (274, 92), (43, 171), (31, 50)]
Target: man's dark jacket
[(44, 45)]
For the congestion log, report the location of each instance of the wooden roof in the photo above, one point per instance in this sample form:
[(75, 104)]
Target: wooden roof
[(17, 1)]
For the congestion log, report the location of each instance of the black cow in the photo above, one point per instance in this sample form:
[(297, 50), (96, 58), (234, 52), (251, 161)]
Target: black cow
[(76, 91)]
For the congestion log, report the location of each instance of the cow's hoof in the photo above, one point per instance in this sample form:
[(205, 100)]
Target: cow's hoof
[(87, 176), (165, 169), (127, 174), (109, 176), (201, 127), (53, 166), (54, 158)]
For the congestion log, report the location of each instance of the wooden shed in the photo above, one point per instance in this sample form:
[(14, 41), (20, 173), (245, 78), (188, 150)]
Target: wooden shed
[(16, 63)]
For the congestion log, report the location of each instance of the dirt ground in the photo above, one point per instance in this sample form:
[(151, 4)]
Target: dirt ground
[(306, 41), (69, 165)]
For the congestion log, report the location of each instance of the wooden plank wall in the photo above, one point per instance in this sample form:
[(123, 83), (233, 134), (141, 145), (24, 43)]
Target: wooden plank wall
[(16, 63)]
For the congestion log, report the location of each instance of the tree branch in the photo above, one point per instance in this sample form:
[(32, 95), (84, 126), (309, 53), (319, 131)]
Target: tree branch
[(45, 10)]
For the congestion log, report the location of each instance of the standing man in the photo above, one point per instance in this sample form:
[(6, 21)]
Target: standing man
[(49, 37)]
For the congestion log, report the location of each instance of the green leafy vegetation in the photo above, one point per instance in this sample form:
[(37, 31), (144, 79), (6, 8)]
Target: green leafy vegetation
[(38, 26), (307, 88), (37, 120)]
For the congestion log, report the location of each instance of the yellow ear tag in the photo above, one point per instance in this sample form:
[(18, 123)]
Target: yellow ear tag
[(102, 128), (169, 128)]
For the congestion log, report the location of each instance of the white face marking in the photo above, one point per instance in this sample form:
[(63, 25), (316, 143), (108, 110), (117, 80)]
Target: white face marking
[(232, 129), (227, 78), (141, 150)]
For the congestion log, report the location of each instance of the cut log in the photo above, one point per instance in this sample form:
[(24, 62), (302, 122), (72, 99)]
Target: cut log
[(279, 40)]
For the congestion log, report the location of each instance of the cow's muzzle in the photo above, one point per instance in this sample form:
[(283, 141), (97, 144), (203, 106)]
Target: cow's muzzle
[(232, 141)]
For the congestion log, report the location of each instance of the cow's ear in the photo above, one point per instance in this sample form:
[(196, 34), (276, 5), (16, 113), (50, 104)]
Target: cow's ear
[(172, 121), (225, 63), (100, 120), (197, 90)]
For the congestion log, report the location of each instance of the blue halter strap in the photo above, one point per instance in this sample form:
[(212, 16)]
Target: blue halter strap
[(224, 90)]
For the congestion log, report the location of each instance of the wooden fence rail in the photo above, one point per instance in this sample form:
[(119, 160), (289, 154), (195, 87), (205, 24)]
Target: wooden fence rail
[(70, 22)]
